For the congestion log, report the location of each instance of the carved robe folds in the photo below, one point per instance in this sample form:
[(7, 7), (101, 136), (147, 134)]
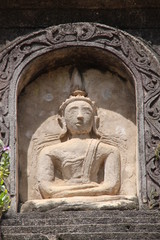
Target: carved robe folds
[(79, 162)]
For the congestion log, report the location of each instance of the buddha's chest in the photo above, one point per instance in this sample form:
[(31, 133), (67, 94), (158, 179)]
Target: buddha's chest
[(72, 157), (72, 150)]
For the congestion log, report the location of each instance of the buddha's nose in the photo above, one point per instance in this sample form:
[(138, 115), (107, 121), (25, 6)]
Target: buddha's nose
[(80, 116)]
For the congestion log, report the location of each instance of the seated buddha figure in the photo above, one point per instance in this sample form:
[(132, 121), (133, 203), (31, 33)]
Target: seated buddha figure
[(82, 164)]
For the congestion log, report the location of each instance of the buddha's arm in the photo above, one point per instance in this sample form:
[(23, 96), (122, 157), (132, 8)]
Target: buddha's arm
[(49, 188), (46, 181), (110, 185), (53, 190), (112, 173), (45, 172)]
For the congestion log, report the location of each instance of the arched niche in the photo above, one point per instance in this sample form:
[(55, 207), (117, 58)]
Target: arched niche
[(26, 58), (107, 83)]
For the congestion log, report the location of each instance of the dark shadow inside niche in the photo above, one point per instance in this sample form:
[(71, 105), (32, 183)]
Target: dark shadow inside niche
[(81, 57), (85, 59)]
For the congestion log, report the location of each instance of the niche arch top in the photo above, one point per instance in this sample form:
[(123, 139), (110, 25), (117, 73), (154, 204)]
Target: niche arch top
[(137, 62), (83, 57)]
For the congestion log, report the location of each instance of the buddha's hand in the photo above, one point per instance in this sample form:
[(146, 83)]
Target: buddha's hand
[(82, 181)]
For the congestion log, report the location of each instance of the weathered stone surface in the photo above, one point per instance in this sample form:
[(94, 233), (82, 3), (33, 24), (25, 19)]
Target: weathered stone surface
[(83, 225), (81, 203), (28, 17), (141, 61), (151, 37), (41, 18), (87, 138), (120, 14), (102, 236), (76, 220), (141, 214), (80, 4), (91, 236), (114, 18), (94, 228), (83, 217), (27, 237)]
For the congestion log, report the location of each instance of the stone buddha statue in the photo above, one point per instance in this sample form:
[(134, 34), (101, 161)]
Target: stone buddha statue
[(81, 164), (74, 162)]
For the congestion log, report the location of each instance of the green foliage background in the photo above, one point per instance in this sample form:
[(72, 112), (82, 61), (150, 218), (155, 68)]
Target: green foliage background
[(4, 173)]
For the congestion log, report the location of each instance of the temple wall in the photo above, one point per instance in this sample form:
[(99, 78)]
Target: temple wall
[(139, 18), (24, 61)]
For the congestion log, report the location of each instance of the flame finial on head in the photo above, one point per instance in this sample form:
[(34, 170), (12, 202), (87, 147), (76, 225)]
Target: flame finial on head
[(76, 80), (78, 93)]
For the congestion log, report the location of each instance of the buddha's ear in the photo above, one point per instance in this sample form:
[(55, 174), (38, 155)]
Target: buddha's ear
[(96, 121), (62, 123), (96, 125)]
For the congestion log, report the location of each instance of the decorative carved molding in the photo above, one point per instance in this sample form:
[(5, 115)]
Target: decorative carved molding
[(138, 58)]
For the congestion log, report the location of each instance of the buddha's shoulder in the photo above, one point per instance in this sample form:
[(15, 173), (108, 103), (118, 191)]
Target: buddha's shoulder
[(71, 143), (104, 148)]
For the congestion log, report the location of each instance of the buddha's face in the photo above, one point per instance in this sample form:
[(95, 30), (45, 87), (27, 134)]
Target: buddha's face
[(79, 117)]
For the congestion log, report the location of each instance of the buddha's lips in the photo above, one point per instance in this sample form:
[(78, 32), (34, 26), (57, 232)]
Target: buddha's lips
[(79, 124)]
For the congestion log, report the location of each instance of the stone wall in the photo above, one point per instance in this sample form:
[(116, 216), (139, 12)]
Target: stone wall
[(140, 18), (17, 19)]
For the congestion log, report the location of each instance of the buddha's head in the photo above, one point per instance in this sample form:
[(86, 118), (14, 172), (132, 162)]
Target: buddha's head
[(78, 113)]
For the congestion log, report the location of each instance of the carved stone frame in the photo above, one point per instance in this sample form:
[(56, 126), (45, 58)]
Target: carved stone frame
[(136, 57)]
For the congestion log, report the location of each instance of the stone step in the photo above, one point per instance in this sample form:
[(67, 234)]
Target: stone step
[(77, 221), (26, 237), (111, 236), (83, 214), (82, 225), (84, 236), (87, 228)]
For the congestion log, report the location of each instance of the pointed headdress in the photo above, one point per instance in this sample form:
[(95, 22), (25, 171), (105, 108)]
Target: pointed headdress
[(78, 93)]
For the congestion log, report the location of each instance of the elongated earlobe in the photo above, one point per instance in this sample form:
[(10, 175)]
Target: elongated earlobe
[(96, 125), (62, 124)]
